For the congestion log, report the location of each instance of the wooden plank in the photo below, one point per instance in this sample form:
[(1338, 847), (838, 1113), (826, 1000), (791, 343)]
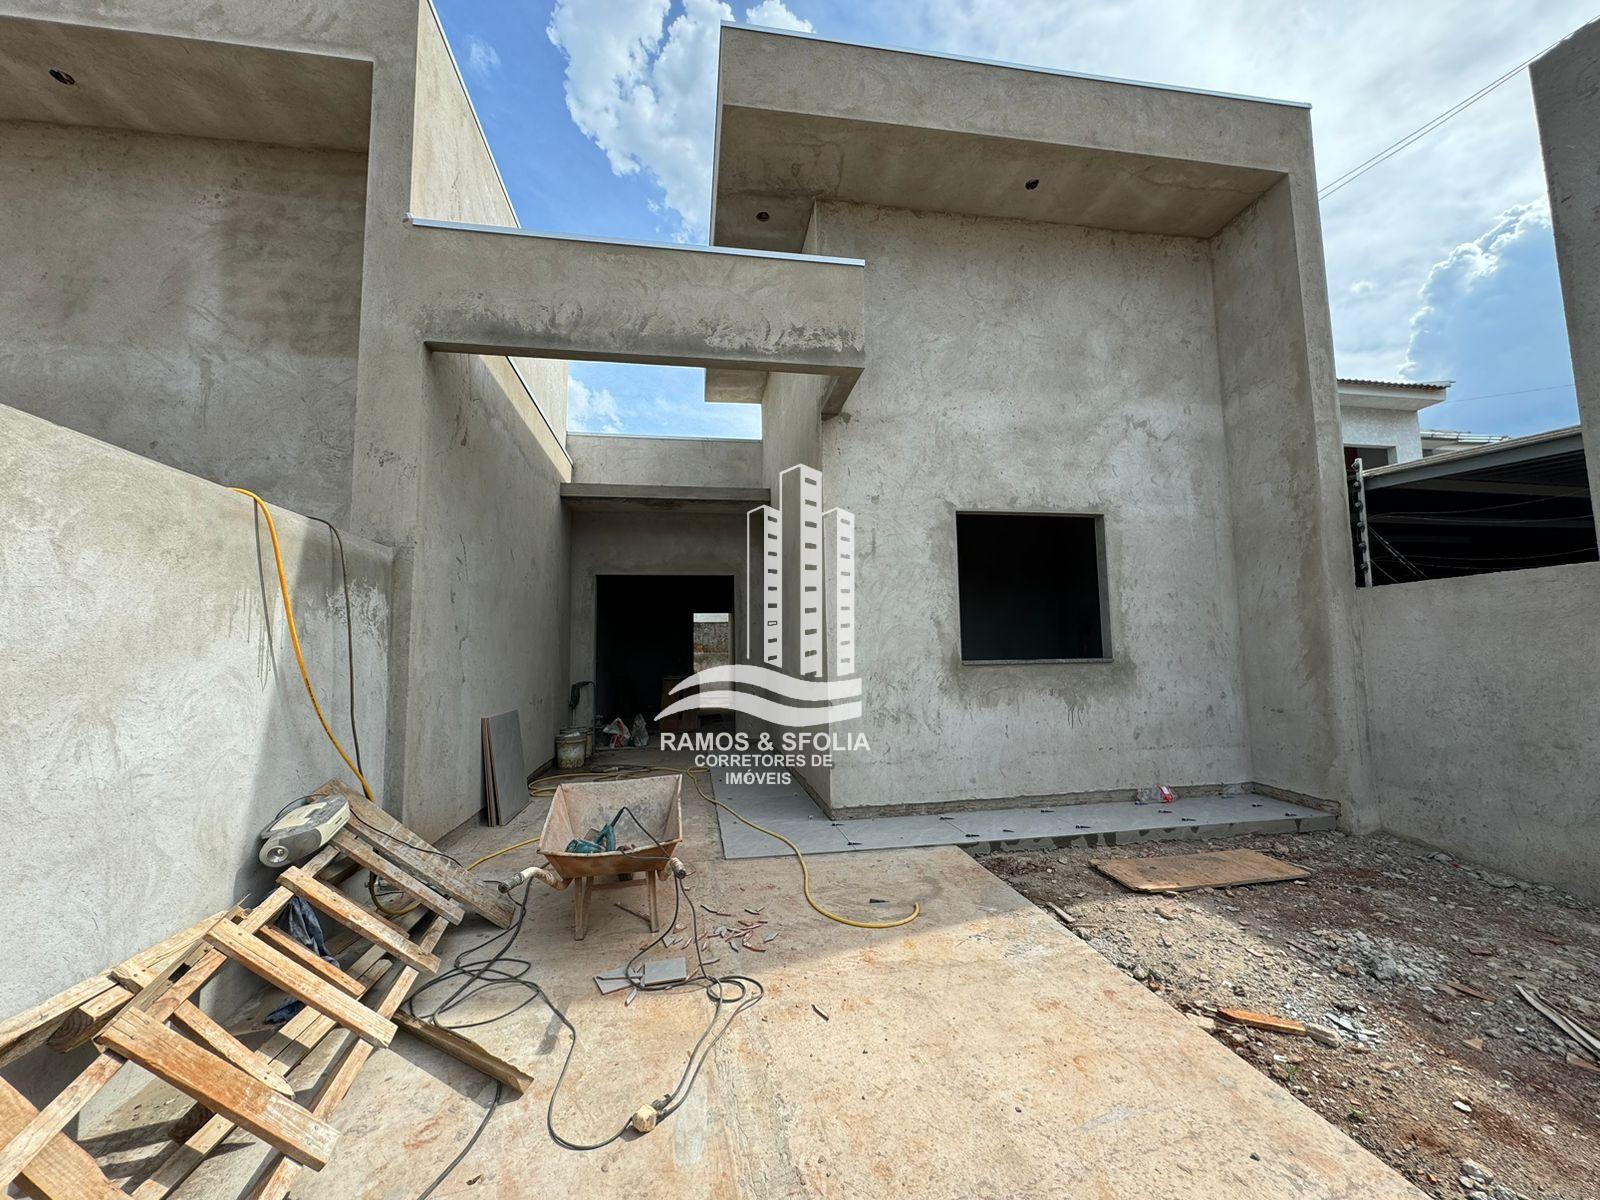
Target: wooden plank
[(288, 976), (1183, 872), (362, 851), (424, 860), (61, 1170), (275, 1184), (350, 914), (27, 1031), (1243, 1016), (88, 1019), (149, 965), (223, 1088), (464, 1050), (311, 960), (45, 1126), (200, 1023), (298, 1037)]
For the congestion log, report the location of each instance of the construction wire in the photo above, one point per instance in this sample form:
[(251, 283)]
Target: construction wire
[(294, 638)]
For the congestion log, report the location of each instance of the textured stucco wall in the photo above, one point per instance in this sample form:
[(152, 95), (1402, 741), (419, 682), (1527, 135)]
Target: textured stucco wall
[(1400, 431), (644, 543), (1030, 367), (192, 300), (154, 719), (1482, 711), (485, 584), (1566, 95), (1285, 469), (672, 461)]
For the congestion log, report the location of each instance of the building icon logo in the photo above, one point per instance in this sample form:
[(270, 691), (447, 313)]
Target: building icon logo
[(799, 636)]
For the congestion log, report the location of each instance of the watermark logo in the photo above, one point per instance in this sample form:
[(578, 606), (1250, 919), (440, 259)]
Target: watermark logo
[(799, 636)]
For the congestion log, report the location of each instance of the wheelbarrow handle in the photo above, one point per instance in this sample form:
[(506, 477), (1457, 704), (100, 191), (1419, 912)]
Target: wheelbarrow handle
[(542, 874)]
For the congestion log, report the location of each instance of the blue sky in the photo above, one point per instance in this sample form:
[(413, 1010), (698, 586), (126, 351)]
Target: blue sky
[(1440, 261)]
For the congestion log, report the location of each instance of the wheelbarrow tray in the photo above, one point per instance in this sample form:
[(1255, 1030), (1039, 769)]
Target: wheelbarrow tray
[(577, 809)]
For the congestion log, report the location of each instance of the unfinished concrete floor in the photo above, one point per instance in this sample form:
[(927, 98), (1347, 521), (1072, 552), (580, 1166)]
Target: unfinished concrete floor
[(983, 1051)]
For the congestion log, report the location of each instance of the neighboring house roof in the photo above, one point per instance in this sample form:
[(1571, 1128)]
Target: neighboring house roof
[(1461, 437), (1398, 395), (1541, 449), (1400, 384)]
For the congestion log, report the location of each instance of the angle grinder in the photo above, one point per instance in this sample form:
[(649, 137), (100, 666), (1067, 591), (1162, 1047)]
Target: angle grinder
[(303, 830)]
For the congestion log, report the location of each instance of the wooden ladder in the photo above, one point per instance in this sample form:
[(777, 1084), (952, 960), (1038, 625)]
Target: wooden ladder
[(144, 1011)]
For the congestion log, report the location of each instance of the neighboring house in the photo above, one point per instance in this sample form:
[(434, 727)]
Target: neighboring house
[(1379, 419)]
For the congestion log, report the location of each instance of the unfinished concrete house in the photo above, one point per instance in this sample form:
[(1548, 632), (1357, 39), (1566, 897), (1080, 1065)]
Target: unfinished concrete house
[(313, 605)]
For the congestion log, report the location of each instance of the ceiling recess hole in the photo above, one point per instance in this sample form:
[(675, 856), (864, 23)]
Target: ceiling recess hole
[(763, 215), (62, 77), (1031, 185)]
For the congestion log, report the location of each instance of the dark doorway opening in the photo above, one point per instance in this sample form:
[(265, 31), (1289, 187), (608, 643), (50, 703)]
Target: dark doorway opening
[(645, 641)]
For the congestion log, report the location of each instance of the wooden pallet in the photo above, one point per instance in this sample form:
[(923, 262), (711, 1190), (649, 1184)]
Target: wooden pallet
[(144, 1011)]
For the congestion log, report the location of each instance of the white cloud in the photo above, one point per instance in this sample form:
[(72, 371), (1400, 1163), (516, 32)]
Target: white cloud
[(1373, 71), (645, 91), (773, 15), (591, 410), (481, 56)]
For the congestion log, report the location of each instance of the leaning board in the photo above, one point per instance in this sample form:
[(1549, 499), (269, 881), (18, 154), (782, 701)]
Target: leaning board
[(1183, 872)]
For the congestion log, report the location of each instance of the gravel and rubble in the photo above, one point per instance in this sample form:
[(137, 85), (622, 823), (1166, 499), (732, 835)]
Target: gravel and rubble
[(1403, 964)]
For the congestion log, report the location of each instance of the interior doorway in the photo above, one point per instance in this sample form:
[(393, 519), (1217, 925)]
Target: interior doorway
[(651, 631)]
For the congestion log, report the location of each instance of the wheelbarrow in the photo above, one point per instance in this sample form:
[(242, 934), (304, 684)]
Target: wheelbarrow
[(646, 814)]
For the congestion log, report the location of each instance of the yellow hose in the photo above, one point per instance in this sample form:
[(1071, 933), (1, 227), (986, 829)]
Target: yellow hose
[(805, 872), (294, 638), (634, 773)]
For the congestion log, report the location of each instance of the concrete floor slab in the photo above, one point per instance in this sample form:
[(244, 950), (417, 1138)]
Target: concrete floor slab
[(794, 814), (982, 1051)]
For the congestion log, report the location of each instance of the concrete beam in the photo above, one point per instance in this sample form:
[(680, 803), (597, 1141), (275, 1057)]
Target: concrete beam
[(488, 290), (622, 497)]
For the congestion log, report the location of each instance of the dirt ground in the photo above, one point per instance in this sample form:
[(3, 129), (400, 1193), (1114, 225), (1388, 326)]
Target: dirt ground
[(1465, 1096)]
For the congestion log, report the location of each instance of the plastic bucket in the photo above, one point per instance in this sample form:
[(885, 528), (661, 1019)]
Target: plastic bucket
[(571, 747)]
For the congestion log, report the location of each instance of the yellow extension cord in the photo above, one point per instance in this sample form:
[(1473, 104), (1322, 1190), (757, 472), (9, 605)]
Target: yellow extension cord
[(629, 773)]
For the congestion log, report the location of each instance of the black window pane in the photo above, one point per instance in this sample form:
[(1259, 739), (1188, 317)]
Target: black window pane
[(1029, 587)]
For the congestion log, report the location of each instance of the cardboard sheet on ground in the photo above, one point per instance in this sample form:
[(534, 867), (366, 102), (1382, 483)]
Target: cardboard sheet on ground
[(1183, 872)]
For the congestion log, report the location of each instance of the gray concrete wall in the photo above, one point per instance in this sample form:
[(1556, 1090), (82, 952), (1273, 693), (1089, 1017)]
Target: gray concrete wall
[(154, 717), (1482, 712), (1036, 368), (1285, 469), (485, 589), (1566, 95), (193, 300), (644, 543), (672, 461)]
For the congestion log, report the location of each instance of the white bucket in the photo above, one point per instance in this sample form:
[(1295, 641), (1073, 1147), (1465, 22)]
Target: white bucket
[(571, 748)]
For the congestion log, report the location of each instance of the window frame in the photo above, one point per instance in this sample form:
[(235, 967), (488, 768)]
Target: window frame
[(1102, 575)]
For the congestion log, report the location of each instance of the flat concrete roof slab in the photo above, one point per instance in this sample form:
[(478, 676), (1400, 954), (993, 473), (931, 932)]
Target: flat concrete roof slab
[(791, 812), (159, 84), (804, 119)]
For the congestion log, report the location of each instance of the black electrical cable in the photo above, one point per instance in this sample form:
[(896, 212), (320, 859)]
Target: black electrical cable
[(480, 975), (349, 640)]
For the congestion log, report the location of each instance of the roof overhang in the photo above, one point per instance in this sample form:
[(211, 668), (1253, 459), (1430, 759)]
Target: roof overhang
[(1396, 395), (803, 119), (154, 83)]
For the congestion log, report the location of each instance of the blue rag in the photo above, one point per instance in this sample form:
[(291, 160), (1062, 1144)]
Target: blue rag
[(300, 922)]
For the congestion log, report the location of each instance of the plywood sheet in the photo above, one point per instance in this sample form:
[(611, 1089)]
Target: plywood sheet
[(1183, 872)]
